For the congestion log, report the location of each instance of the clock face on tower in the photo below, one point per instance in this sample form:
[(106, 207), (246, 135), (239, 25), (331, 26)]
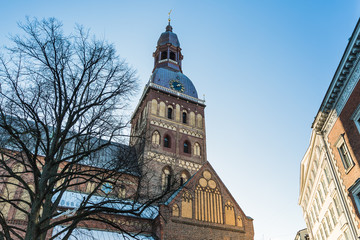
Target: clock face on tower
[(176, 85)]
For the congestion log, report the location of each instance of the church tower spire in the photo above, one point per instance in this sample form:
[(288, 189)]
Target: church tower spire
[(168, 126), (168, 51)]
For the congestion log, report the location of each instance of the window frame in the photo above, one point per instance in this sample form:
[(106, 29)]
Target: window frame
[(155, 138), (167, 139), (355, 192), (166, 178), (356, 117), (170, 112), (344, 153), (188, 147), (184, 118)]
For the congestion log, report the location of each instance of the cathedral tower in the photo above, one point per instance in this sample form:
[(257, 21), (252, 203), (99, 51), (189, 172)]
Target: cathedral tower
[(168, 131), (168, 125)]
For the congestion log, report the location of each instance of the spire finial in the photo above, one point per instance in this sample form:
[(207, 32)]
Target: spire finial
[(169, 27), (169, 19)]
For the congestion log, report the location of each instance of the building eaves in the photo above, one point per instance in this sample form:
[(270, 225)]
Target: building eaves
[(339, 80)]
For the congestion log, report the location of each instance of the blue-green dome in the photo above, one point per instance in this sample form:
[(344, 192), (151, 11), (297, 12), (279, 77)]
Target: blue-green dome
[(168, 37), (164, 77)]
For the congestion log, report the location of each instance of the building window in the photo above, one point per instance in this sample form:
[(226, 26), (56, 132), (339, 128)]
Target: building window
[(184, 177), (347, 234), (337, 206), (172, 56), (356, 117), (321, 196), (344, 153), (170, 110), (317, 203), (332, 215), (166, 179), (186, 147), (325, 229), (328, 222), (197, 149), (312, 217), (355, 192), (167, 142), (156, 138), (324, 187), (328, 179), (163, 55), (175, 210), (184, 117)]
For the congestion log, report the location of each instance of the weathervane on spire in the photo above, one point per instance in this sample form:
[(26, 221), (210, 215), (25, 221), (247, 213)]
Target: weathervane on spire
[(169, 16)]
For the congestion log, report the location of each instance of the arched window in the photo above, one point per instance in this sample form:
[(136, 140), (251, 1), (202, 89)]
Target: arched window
[(163, 55), (184, 117), (175, 210), (199, 120), (170, 110), (166, 179), (197, 149), (155, 138), (186, 147), (167, 141), (184, 177), (172, 56)]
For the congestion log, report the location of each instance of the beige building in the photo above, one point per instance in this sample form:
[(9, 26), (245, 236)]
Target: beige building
[(321, 201), (329, 179)]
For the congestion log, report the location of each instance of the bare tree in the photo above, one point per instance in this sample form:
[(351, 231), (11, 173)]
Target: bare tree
[(61, 129)]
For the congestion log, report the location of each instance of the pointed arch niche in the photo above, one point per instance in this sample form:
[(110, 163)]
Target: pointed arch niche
[(229, 214), (175, 210), (186, 205), (208, 200)]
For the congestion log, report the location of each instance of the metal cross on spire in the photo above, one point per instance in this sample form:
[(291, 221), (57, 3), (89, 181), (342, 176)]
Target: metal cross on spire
[(169, 16)]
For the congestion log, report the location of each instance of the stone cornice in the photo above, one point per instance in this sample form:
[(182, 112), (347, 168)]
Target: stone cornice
[(342, 84)]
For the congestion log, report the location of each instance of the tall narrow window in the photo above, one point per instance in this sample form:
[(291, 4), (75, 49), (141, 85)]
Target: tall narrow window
[(328, 179), (332, 214), (184, 177), (167, 142), (170, 111), (324, 187), (166, 179), (337, 206), (186, 147), (345, 156), (321, 195), (197, 149), (172, 56), (156, 138), (347, 234), (356, 117), (355, 192), (325, 229), (328, 222), (184, 117), (164, 55)]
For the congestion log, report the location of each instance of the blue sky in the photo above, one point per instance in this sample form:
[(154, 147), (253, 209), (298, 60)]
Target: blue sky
[(264, 67)]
